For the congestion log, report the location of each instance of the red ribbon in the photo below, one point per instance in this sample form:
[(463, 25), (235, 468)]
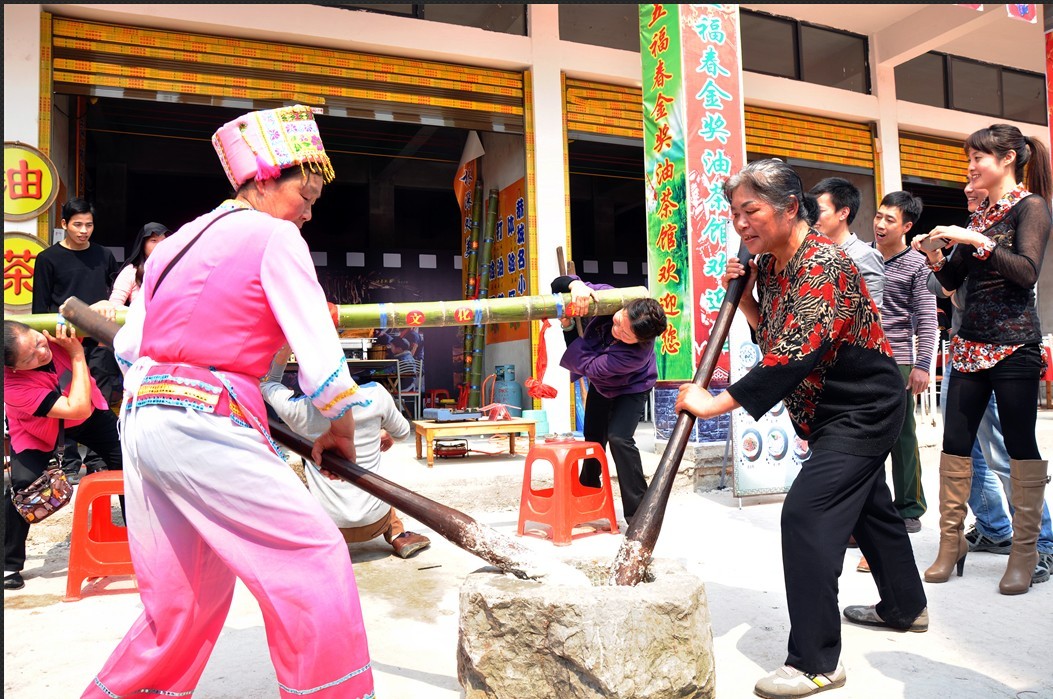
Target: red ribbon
[(535, 387)]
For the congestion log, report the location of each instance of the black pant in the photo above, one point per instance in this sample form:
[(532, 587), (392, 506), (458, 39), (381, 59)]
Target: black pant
[(833, 496), (1014, 381), (614, 421), (98, 432), (103, 368)]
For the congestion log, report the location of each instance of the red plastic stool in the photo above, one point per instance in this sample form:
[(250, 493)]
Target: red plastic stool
[(567, 503), (98, 547), (433, 396)]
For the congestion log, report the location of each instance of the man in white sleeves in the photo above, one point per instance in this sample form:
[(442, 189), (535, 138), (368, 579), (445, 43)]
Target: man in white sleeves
[(378, 423)]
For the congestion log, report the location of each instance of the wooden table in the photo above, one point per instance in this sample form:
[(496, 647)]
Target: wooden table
[(428, 430)]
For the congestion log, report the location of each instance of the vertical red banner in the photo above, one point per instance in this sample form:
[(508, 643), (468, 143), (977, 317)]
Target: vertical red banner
[(716, 148), (1049, 83)]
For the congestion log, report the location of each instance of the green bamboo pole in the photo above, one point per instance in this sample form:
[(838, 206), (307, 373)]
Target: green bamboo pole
[(479, 345), (438, 314), (472, 261), (471, 289)]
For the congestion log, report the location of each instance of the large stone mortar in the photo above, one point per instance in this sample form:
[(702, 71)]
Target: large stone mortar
[(521, 639)]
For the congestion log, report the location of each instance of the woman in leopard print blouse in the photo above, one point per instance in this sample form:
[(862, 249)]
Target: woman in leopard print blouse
[(826, 357)]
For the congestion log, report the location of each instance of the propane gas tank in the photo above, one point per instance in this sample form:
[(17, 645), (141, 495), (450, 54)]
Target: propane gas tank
[(507, 390)]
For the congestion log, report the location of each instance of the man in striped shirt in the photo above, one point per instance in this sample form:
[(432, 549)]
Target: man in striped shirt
[(908, 317)]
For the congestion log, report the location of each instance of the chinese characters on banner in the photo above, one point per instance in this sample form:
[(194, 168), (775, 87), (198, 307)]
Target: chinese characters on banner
[(30, 182), (508, 261), (716, 148), (20, 256), (464, 190), (665, 170)]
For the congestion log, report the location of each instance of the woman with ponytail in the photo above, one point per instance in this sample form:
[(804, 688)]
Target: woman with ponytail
[(826, 357), (997, 259)]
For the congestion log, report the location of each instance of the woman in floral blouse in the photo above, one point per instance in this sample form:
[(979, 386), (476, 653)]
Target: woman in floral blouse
[(998, 348), (826, 357)]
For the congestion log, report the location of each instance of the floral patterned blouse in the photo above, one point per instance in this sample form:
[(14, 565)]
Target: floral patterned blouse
[(825, 353)]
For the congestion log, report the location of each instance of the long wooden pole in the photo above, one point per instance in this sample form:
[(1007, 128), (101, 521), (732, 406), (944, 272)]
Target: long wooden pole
[(635, 553), (435, 314), (457, 527)]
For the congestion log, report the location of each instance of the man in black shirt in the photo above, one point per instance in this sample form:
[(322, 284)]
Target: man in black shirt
[(76, 267)]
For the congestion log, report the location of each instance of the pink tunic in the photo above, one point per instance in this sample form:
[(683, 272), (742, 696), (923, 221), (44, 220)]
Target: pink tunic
[(230, 303), (209, 500)]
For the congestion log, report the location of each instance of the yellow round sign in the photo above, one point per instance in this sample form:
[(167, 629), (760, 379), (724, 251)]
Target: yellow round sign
[(30, 182), (20, 257)]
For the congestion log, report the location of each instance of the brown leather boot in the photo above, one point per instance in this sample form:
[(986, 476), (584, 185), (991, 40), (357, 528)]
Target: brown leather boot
[(1029, 485), (956, 475)]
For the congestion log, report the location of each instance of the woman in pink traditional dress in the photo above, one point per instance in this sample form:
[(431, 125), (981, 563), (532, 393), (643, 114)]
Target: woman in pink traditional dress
[(997, 260), (209, 498)]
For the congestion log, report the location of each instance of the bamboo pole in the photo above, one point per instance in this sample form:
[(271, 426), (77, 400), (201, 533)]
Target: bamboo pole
[(472, 261), (479, 347), (471, 290), (459, 528), (437, 314)]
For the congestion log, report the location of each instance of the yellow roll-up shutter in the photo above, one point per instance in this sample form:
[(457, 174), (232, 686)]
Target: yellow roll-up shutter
[(122, 61), (612, 110), (820, 139), (598, 108), (932, 159)]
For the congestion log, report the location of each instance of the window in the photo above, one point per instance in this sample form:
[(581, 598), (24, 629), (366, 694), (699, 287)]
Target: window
[(769, 45), (507, 19), (785, 47), (952, 82), (833, 58), (613, 25), (1023, 96), (923, 80), (974, 87)]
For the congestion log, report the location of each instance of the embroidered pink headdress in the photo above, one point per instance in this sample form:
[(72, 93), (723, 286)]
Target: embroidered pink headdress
[(260, 144)]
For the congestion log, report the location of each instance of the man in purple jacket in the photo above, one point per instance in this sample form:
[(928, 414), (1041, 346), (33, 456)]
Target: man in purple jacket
[(616, 354)]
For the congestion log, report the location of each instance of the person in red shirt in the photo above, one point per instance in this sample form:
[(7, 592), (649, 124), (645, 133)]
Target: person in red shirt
[(46, 380)]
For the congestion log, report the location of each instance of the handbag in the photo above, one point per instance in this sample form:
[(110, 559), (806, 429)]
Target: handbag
[(48, 494)]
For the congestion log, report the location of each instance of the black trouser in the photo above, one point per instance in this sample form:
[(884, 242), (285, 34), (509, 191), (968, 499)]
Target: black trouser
[(833, 496), (98, 432), (614, 421), (103, 368), (1014, 381)]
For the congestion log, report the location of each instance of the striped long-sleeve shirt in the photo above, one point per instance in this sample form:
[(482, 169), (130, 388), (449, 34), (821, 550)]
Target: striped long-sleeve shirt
[(909, 310)]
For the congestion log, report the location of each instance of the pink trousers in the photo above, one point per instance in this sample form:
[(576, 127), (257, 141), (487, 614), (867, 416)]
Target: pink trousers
[(208, 502)]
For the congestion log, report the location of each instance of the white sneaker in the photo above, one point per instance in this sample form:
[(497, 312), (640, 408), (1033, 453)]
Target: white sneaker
[(790, 682)]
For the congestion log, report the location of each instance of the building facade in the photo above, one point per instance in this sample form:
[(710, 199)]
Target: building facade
[(122, 98)]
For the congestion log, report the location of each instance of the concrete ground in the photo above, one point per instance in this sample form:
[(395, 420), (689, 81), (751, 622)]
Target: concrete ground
[(980, 644)]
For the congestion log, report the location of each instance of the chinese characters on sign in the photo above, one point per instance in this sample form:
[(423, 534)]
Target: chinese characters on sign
[(716, 147), (508, 261), (20, 255), (30, 182), (665, 170), (465, 189)]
